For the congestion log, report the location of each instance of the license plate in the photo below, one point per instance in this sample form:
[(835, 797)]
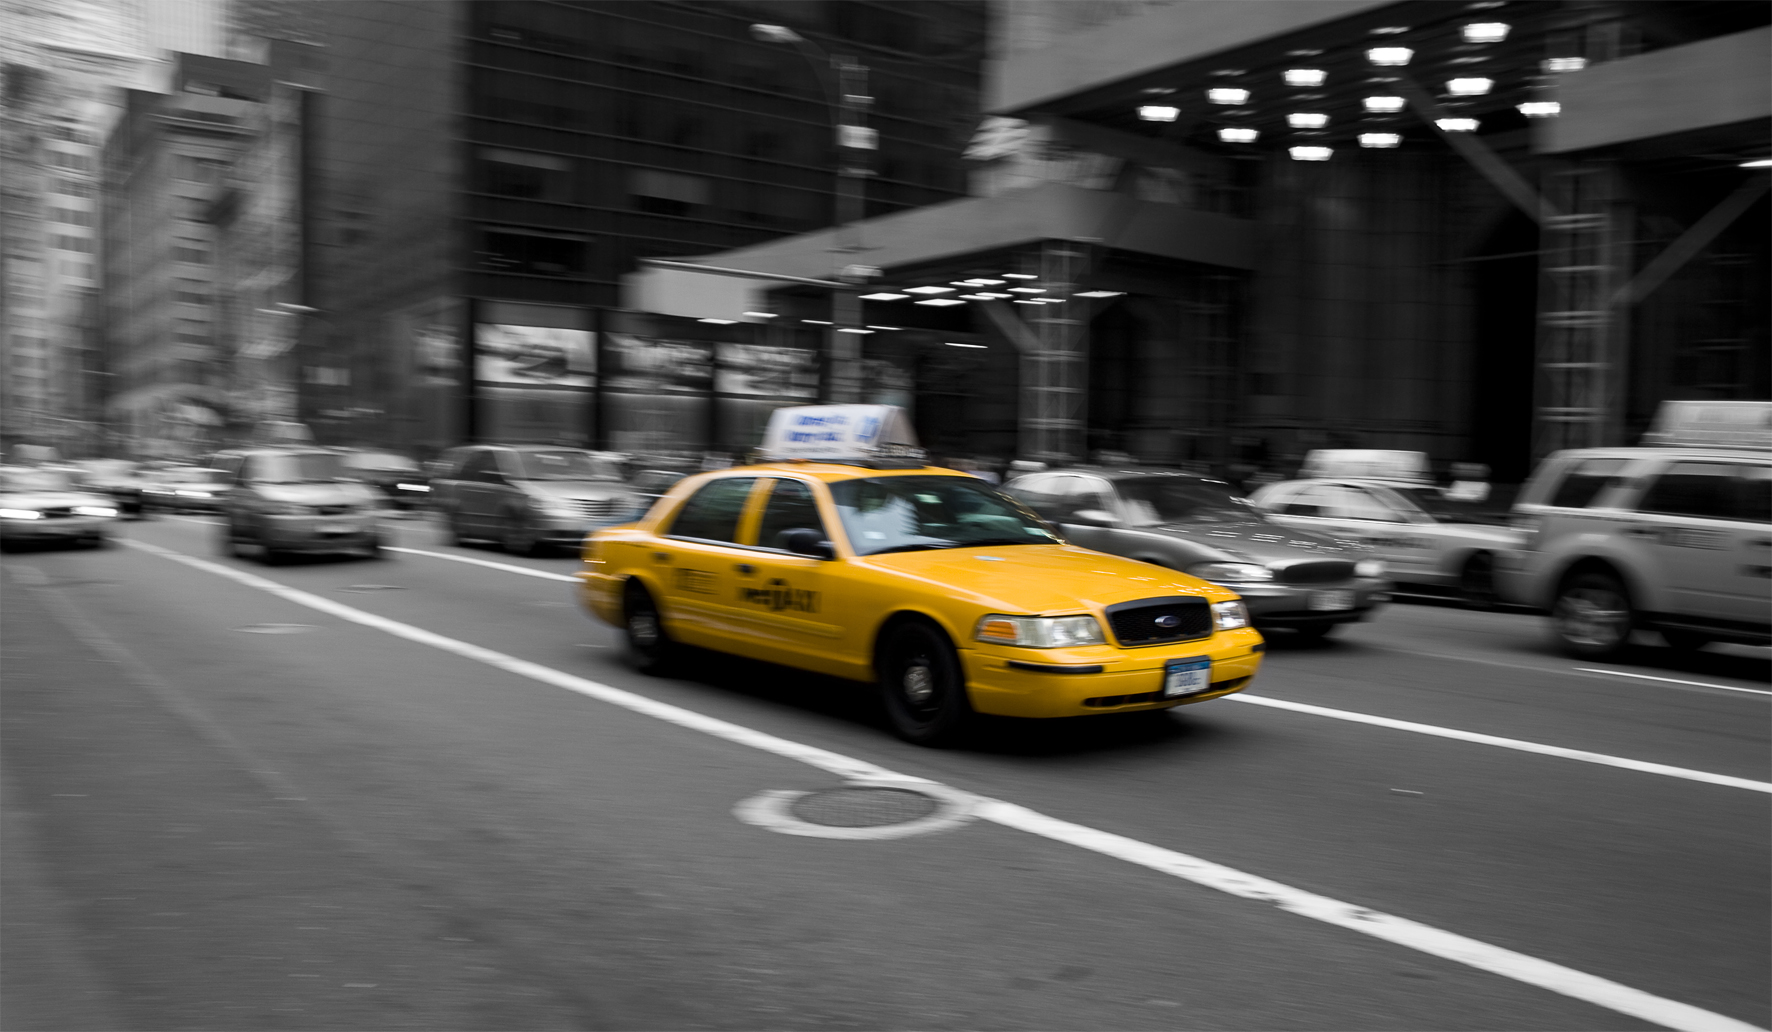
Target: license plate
[(1325, 600), (1186, 676)]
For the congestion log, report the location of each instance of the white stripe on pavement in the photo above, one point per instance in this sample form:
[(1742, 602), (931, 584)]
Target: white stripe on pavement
[(1507, 743), (507, 567), (1473, 953), (1669, 680)]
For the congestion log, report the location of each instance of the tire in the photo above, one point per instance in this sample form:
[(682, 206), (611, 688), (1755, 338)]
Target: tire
[(1313, 632), (452, 533), (649, 645), (375, 550), (519, 538), (225, 543), (1685, 641), (101, 541), (1476, 582), (1592, 617), (270, 556), (921, 685)]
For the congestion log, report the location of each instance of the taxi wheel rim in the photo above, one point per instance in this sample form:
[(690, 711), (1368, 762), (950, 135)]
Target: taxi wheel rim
[(643, 625), (1593, 616), (919, 685)]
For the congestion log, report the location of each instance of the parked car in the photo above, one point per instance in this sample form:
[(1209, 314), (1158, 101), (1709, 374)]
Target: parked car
[(43, 506), (405, 484), (1297, 580), (651, 484), (121, 479), (183, 489), (530, 498), (1671, 539), (283, 501), (1424, 539)]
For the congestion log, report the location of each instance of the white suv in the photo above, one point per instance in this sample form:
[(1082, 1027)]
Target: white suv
[(1672, 539)]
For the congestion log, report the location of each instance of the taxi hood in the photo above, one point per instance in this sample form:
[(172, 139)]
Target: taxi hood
[(1041, 579)]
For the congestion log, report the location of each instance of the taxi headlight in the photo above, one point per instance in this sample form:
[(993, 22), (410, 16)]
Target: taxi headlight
[(1228, 616), (192, 494), (20, 514), (412, 487), (94, 510), (1369, 568), (1232, 572), (1040, 632)]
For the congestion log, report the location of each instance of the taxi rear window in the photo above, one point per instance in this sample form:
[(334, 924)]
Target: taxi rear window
[(712, 512)]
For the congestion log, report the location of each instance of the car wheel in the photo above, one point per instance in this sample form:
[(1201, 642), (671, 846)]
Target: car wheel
[(649, 644), (225, 543), (375, 549), (1476, 582), (519, 537), (98, 541), (268, 555), (1592, 616), (452, 532), (1685, 641), (921, 685)]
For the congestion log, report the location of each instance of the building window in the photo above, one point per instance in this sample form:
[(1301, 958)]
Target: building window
[(76, 270), (541, 177), (191, 292), (71, 217), (65, 159), (531, 254), (70, 134), (191, 209), (82, 245), (667, 193), (193, 169), (73, 187), (192, 251)]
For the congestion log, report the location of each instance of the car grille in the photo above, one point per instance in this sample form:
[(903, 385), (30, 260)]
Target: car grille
[(334, 510), (1324, 572), (600, 508), (1140, 623)]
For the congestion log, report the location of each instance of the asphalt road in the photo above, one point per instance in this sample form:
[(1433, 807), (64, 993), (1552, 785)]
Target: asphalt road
[(232, 805)]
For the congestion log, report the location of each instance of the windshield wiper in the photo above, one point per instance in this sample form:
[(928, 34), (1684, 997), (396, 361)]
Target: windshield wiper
[(1002, 541), (922, 547)]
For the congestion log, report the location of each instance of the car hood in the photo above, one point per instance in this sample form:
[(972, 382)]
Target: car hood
[(572, 490), (1042, 578), (1259, 541), (317, 494), (50, 499)]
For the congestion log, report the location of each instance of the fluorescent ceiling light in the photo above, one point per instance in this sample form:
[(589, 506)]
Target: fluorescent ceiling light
[(988, 282), (1157, 91), (1307, 120), (1310, 153), (1389, 57), (1380, 141), (1472, 87), (1390, 30), (970, 282), (1304, 76), (1158, 112), (851, 329), (1019, 275), (718, 322), (1101, 293), (1239, 134), (1486, 32), (957, 344), (1025, 301), (979, 297), (1457, 125), (1540, 108), (1028, 290), (929, 290), (1757, 163), (1227, 95), (1563, 64), (1383, 105), (987, 295), (817, 322), (942, 301), (761, 315), (892, 328), (884, 296)]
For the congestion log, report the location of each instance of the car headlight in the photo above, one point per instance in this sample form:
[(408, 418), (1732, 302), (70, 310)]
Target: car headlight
[(1040, 632), (412, 487), (1228, 616), (94, 510), (1232, 572), (193, 494), (20, 514), (1369, 568)]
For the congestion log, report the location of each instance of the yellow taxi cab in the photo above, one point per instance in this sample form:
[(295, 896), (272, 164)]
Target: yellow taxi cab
[(952, 597)]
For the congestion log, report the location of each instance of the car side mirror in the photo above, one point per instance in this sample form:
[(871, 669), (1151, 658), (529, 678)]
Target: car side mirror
[(1094, 518), (808, 542)]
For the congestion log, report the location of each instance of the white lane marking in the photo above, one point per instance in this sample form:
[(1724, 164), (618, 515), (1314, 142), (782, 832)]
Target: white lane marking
[(1410, 934), (1507, 743), (507, 567), (1670, 680)]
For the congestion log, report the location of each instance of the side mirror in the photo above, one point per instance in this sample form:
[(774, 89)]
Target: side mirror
[(1094, 518), (808, 542)]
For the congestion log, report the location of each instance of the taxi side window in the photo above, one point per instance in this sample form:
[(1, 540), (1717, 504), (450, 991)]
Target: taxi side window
[(790, 507), (1306, 501), (1709, 490), (1039, 492), (712, 512), (1584, 482), (477, 466), (1348, 503)]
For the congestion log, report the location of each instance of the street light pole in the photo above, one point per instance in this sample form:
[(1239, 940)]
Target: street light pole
[(846, 89)]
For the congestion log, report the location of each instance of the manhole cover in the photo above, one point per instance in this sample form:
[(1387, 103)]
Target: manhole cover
[(276, 628), (373, 587), (863, 807)]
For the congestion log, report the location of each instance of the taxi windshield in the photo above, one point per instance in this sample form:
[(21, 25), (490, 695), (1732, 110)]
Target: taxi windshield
[(566, 465), (909, 514), (1154, 501)]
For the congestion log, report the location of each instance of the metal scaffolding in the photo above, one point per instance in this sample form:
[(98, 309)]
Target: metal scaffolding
[(1054, 369)]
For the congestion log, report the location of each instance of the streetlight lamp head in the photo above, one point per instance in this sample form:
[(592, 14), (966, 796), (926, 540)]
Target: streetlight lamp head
[(774, 34)]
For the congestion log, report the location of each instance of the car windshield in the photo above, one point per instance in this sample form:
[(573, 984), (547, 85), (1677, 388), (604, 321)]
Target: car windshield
[(1153, 501), (907, 514), (299, 468), (194, 476), (566, 465), (34, 480), (380, 461)]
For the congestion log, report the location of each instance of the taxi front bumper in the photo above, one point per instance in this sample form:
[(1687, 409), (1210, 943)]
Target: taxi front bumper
[(1017, 682)]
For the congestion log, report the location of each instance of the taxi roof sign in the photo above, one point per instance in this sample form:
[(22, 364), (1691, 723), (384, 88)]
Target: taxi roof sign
[(1713, 424), (841, 433)]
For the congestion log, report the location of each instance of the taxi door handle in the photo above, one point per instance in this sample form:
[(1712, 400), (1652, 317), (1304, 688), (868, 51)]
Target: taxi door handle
[(745, 568), (661, 557)]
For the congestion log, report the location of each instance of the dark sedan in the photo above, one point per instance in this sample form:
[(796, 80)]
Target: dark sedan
[(1292, 579), (399, 478)]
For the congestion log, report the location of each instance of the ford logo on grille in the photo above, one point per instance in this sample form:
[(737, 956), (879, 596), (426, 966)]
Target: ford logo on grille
[(1168, 622)]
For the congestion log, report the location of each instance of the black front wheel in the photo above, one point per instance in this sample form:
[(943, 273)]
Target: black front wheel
[(921, 685), (520, 537), (1592, 616)]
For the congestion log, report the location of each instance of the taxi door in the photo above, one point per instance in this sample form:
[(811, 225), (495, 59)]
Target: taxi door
[(695, 563), (781, 596), (1704, 526)]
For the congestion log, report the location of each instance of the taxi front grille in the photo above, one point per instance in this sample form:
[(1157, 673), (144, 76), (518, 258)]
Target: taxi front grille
[(1322, 572), (597, 508), (1156, 621)]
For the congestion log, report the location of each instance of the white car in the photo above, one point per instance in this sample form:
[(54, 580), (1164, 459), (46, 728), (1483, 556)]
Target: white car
[(40, 505), (1423, 538)]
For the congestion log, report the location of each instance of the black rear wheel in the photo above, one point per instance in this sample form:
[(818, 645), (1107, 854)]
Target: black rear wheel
[(921, 685), (649, 643)]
